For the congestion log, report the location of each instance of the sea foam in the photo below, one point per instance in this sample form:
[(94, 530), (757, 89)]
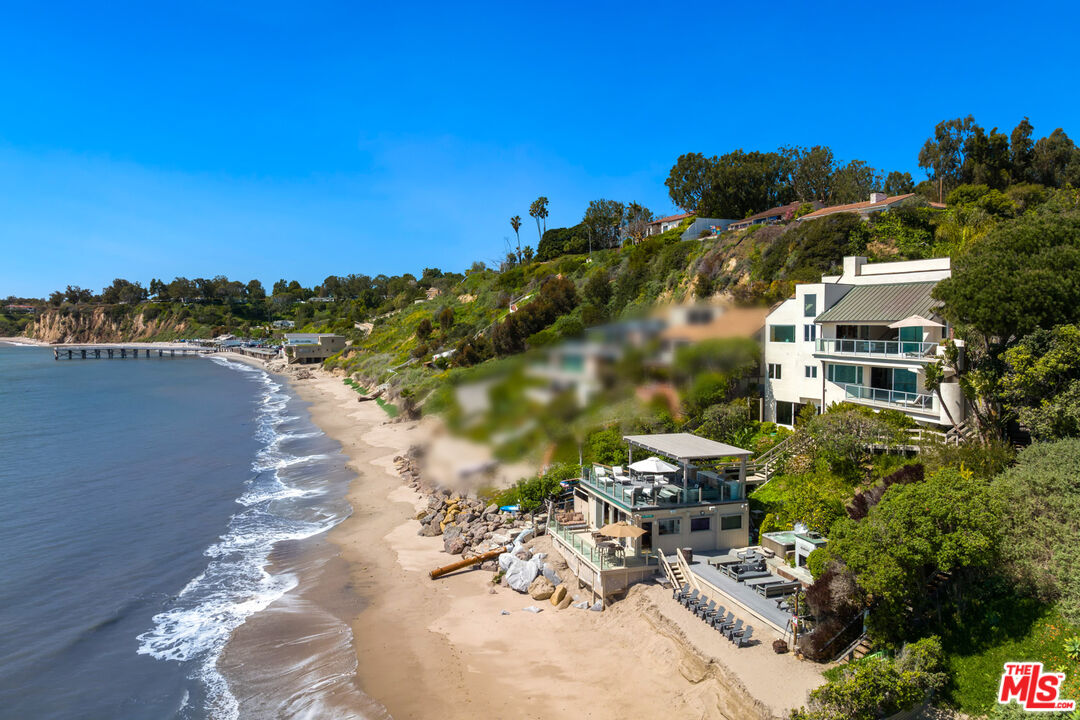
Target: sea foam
[(235, 584)]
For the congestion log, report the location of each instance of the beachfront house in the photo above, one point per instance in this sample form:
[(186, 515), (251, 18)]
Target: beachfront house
[(677, 490), (311, 347), (864, 336)]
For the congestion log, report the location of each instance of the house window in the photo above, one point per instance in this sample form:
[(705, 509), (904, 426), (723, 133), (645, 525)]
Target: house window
[(782, 333), (811, 371), (699, 524), (774, 371), (809, 333), (846, 374), (731, 522), (785, 413), (668, 527), (809, 306)]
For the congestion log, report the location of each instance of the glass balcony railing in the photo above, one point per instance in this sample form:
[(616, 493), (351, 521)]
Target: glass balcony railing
[(604, 558), (893, 398), (902, 349), (633, 493)]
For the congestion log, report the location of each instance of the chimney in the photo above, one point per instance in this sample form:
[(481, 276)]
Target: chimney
[(853, 266), (876, 198)]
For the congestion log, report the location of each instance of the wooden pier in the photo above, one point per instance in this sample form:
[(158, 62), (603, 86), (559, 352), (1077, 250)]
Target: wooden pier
[(96, 352)]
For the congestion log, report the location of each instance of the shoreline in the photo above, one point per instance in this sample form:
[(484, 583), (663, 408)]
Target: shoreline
[(445, 648)]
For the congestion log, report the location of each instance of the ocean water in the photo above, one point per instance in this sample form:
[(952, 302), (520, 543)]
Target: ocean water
[(148, 509)]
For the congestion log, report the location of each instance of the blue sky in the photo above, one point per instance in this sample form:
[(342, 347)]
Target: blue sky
[(278, 140)]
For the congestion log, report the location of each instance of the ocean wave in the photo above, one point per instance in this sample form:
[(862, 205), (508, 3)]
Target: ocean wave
[(235, 583)]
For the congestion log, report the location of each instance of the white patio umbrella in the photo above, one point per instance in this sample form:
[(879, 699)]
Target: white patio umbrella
[(915, 321), (653, 465)]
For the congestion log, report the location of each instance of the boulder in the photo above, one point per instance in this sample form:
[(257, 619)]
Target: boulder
[(558, 595), (453, 532), (520, 574), (491, 509), (455, 546), (490, 566), (541, 588), (565, 602)]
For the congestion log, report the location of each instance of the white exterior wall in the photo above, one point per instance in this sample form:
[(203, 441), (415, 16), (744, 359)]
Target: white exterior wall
[(793, 385)]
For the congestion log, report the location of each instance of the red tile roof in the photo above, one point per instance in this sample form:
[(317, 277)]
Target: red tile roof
[(670, 218), (858, 207)]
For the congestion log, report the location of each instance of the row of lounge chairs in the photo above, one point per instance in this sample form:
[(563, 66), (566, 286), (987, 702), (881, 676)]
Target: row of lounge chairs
[(714, 615)]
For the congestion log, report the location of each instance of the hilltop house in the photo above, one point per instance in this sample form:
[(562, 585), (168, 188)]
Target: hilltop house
[(311, 347), (770, 216), (864, 336), (664, 224), (878, 202)]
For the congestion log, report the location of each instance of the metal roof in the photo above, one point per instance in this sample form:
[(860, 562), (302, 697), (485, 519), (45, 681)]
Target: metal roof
[(882, 303), (684, 446)]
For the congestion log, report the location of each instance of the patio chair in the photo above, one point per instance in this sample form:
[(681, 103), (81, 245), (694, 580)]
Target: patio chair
[(680, 592), (617, 470), (697, 603), (722, 623), (692, 597), (703, 609), (711, 615), (743, 638), (734, 630)]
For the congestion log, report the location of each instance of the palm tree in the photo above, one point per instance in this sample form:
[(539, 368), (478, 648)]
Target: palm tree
[(962, 227), (515, 222), (538, 210)]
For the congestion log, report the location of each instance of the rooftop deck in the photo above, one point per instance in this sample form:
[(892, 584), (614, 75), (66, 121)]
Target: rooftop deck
[(643, 492)]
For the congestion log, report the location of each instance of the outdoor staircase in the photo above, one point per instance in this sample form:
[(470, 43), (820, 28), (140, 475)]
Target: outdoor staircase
[(760, 470), (862, 648)]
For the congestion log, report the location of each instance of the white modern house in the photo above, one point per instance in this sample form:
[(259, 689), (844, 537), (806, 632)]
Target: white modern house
[(865, 337)]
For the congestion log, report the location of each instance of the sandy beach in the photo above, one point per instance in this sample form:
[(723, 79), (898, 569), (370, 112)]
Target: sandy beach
[(444, 649)]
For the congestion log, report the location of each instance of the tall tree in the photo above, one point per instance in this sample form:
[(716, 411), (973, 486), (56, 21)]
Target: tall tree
[(854, 182), (986, 159), (898, 183), (689, 181), (515, 222), (1056, 160), (539, 212), (1022, 152), (603, 219), (636, 224), (812, 172), (943, 155)]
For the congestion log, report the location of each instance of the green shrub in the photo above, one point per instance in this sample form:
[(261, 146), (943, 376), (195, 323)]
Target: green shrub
[(817, 561)]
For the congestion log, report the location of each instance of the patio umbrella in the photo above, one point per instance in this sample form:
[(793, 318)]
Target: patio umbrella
[(621, 529), (653, 465), (915, 321)]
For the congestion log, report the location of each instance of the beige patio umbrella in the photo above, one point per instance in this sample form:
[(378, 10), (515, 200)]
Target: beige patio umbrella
[(621, 529), (915, 321)]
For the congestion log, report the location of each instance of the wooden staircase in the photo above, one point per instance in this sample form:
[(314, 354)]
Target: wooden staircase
[(761, 469)]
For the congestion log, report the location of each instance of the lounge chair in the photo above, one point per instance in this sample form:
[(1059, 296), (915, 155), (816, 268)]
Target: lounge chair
[(734, 630), (753, 574), (779, 589), (617, 470), (711, 615), (703, 609), (743, 638), (696, 603), (688, 599), (679, 593), (723, 623)]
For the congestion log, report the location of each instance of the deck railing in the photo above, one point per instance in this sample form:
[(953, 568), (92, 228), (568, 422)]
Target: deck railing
[(632, 496), (903, 349), (893, 398), (602, 558)]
